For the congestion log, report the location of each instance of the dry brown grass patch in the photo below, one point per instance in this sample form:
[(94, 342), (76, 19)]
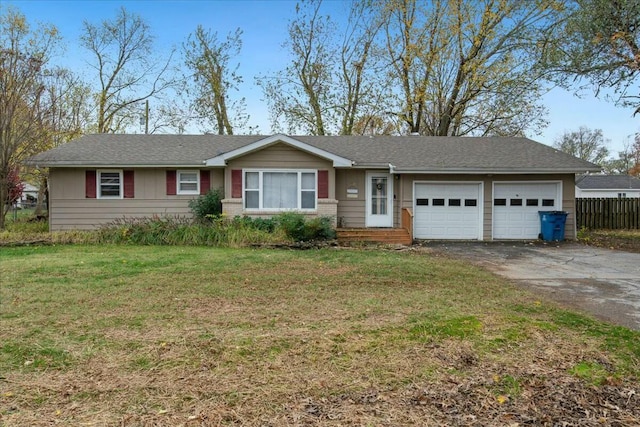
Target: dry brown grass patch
[(201, 337)]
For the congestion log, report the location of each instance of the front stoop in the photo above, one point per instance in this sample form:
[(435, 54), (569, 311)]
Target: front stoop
[(392, 236)]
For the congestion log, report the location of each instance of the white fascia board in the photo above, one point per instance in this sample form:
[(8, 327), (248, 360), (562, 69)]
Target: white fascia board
[(489, 171), (611, 189), (222, 159), (117, 166)]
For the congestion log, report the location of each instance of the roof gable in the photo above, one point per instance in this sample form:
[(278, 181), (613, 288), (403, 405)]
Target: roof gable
[(221, 160)]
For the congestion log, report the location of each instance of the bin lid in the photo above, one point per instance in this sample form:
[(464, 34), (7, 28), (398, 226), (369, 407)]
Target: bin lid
[(553, 213)]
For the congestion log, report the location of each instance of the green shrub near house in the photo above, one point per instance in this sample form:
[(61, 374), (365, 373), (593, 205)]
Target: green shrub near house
[(208, 227), (207, 206), (217, 230)]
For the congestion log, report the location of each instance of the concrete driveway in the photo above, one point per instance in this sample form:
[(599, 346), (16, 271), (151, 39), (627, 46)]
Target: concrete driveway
[(603, 282)]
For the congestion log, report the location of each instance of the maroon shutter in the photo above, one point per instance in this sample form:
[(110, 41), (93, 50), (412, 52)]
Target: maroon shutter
[(171, 183), (90, 184), (128, 184), (323, 184), (236, 183), (205, 181)]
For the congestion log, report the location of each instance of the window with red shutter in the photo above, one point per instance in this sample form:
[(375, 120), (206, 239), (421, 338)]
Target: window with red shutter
[(90, 184), (205, 181), (323, 184), (171, 183), (129, 188), (236, 183)]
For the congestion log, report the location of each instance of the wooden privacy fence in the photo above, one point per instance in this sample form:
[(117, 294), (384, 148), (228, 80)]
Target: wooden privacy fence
[(609, 214)]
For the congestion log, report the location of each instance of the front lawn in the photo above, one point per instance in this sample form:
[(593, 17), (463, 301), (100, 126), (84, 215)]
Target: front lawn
[(195, 336)]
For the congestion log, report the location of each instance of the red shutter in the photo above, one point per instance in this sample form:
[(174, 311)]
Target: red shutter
[(323, 184), (236, 183), (171, 183), (90, 184), (128, 184), (205, 181)]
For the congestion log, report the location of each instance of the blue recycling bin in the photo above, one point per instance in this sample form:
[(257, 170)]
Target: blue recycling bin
[(552, 225)]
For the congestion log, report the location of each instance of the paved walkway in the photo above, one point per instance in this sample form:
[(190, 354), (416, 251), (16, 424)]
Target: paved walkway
[(603, 282)]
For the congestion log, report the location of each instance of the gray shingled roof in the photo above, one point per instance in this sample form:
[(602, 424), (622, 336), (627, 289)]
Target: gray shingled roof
[(608, 182), (405, 153)]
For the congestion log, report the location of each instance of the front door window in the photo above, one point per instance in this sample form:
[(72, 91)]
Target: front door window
[(379, 194)]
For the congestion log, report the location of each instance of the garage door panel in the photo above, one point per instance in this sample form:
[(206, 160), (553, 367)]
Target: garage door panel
[(447, 211), (470, 217), (516, 206)]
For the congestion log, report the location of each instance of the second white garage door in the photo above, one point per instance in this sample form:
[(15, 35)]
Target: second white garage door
[(447, 211), (516, 206)]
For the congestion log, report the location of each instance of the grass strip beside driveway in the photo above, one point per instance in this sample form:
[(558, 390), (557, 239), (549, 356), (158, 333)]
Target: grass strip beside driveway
[(144, 335)]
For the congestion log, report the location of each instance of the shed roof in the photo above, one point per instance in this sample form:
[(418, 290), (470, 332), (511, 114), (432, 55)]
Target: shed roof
[(608, 182)]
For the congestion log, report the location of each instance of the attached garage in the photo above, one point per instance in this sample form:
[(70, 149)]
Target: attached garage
[(516, 206), (447, 210)]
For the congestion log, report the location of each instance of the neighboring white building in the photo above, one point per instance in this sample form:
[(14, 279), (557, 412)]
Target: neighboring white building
[(607, 186), (29, 196)]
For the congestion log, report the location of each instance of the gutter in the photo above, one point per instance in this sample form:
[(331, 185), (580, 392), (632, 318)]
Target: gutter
[(119, 166), (487, 171)]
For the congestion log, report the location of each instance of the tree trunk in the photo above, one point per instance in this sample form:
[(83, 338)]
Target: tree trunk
[(4, 206), (42, 194)]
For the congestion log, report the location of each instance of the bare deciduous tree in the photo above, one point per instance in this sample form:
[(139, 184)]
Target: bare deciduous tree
[(467, 68), (330, 83), (24, 56), (600, 47), (208, 59), (587, 144), (66, 100), (126, 67)]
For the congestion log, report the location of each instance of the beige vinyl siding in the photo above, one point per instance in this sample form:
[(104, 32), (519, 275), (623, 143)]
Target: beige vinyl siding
[(351, 211), (69, 209), (280, 156), (568, 194)]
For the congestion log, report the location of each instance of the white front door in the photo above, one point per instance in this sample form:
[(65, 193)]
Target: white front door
[(379, 200)]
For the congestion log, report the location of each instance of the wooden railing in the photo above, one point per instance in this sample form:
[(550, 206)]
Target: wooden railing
[(407, 221), (610, 214)]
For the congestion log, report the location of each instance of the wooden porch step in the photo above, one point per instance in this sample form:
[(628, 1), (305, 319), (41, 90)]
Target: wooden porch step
[(397, 236)]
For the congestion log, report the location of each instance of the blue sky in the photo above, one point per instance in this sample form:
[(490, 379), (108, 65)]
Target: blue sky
[(264, 25)]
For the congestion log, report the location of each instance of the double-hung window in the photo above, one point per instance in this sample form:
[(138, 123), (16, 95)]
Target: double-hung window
[(109, 184), (188, 182), (280, 190)]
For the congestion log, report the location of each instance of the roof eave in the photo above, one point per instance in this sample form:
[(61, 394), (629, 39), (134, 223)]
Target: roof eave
[(491, 171), (608, 189), (112, 165)]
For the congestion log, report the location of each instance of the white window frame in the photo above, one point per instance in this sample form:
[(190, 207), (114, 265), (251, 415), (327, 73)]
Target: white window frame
[(180, 181), (299, 189), (99, 183)]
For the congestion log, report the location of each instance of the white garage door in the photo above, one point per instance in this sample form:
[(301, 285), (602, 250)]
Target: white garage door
[(516, 206), (447, 211)]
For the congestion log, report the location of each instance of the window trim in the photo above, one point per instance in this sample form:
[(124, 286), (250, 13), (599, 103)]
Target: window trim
[(179, 181), (260, 189), (99, 173)]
